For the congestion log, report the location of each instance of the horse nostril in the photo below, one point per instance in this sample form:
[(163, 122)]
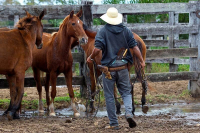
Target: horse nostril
[(86, 41), (40, 46), (83, 39)]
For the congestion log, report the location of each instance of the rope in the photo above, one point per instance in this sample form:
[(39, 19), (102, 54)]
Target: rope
[(97, 92)]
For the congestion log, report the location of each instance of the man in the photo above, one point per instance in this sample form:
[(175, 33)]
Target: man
[(110, 40)]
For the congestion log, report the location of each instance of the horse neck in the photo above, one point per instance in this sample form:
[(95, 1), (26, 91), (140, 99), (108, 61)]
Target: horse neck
[(63, 42)]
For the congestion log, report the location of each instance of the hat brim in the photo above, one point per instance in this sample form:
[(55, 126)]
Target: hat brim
[(112, 21)]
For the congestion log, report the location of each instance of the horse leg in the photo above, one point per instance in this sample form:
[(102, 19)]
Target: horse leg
[(36, 73), (118, 106), (143, 99), (133, 106), (53, 77), (12, 83), (17, 113), (20, 91), (47, 90), (93, 89), (68, 78)]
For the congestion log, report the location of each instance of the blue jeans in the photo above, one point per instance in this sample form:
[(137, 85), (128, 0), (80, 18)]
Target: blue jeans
[(122, 80)]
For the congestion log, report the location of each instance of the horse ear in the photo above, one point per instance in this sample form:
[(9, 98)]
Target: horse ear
[(42, 14), (28, 14), (71, 14), (28, 20), (79, 14), (20, 26)]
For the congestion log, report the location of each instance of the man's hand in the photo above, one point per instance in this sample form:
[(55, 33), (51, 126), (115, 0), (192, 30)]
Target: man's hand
[(142, 64), (95, 52), (138, 54), (89, 61)]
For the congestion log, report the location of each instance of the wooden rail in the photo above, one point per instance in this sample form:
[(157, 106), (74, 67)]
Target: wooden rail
[(79, 80)]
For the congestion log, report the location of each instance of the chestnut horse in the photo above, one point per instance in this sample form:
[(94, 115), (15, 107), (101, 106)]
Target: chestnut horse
[(16, 56), (56, 58), (88, 48)]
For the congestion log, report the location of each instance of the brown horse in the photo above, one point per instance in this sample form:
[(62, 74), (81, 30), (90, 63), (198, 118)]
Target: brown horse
[(16, 56), (55, 57), (88, 48)]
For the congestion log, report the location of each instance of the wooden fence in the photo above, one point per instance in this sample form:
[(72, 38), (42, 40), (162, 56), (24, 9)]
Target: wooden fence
[(172, 29)]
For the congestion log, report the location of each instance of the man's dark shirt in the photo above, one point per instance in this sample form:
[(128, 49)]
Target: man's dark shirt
[(110, 39)]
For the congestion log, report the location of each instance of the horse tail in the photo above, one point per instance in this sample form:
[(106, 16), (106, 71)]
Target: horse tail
[(142, 47)]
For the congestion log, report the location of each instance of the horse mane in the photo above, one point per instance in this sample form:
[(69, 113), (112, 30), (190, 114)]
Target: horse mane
[(54, 33), (64, 21), (25, 22)]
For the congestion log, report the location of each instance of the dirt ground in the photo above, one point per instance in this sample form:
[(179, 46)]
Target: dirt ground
[(164, 92)]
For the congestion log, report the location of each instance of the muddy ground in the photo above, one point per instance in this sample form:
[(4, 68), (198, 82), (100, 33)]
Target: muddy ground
[(164, 92)]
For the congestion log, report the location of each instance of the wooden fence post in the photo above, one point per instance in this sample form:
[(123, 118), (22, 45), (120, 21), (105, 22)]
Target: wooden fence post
[(148, 65), (16, 19), (194, 40), (172, 67), (87, 19)]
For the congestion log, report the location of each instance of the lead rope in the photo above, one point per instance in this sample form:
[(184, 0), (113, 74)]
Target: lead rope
[(97, 89), (97, 92)]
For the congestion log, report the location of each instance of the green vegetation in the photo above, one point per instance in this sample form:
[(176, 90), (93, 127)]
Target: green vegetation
[(185, 93), (25, 94)]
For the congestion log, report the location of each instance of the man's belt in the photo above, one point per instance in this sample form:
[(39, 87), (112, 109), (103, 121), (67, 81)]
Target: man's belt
[(111, 69), (107, 70)]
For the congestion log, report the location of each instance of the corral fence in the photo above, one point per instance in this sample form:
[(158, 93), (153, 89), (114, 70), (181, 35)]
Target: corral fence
[(177, 49)]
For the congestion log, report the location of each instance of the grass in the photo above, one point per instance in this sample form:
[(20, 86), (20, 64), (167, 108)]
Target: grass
[(164, 67), (159, 98), (184, 93)]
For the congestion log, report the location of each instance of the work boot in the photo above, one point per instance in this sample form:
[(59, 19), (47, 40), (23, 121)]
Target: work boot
[(112, 127)]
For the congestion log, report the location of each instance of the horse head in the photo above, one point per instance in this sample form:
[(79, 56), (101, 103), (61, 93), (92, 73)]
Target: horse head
[(75, 28), (34, 22)]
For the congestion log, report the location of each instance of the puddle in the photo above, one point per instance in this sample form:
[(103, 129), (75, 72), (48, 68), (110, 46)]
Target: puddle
[(189, 112)]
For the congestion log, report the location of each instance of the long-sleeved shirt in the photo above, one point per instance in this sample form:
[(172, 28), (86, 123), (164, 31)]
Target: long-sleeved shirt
[(110, 39)]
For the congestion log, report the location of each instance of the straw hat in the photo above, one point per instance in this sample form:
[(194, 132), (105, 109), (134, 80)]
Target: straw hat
[(112, 16)]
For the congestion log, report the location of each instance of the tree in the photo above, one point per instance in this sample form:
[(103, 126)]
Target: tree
[(10, 2)]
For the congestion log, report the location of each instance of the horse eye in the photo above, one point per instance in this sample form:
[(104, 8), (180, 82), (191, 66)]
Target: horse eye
[(73, 23)]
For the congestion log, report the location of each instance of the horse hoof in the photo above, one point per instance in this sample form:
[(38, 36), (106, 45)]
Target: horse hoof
[(5, 113), (52, 114), (41, 111), (118, 112), (10, 115), (145, 109), (92, 110), (77, 114), (16, 116)]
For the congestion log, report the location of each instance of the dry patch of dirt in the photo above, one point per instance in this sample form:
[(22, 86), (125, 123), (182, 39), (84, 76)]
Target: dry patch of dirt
[(145, 124)]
